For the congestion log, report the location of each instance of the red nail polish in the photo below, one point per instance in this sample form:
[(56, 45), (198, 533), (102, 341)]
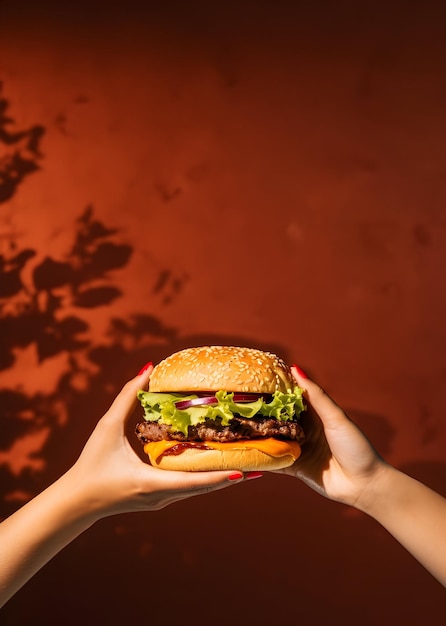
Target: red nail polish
[(250, 475), (300, 371), (146, 367), (236, 476)]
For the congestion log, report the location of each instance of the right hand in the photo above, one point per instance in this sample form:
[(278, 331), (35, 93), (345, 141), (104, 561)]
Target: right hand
[(337, 460)]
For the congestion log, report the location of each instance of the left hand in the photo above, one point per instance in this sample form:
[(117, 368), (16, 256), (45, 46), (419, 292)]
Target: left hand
[(113, 479)]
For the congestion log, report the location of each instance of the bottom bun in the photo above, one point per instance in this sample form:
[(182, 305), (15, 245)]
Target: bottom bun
[(199, 460)]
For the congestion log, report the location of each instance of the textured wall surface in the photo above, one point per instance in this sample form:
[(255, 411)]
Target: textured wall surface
[(268, 174)]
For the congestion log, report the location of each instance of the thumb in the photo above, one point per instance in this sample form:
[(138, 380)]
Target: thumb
[(331, 415), (124, 403)]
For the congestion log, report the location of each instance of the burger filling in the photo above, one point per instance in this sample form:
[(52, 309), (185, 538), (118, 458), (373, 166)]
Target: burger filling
[(220, 418)]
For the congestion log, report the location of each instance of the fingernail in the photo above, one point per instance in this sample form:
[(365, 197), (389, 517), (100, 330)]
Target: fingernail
[(236, 476), (146, 367), (251, 475), (300, 371)]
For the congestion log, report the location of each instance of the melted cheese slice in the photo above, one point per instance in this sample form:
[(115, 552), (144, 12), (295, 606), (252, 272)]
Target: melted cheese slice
[(270, 446)]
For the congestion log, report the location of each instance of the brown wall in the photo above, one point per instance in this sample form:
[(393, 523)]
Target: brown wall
[(261, 173)]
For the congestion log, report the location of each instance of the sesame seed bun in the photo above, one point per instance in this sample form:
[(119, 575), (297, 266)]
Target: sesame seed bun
[(231, 368)]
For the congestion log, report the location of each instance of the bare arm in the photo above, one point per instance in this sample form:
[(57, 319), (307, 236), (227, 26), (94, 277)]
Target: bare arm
[(414, 514), (37, 531), (340, 463), (108, 478)]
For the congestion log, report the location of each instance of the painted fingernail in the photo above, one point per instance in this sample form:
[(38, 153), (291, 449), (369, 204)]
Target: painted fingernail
[(146, 367), (300, 371), (251, 475), (237, 476)]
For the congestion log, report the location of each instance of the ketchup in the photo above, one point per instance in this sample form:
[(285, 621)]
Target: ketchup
[(180, 447)]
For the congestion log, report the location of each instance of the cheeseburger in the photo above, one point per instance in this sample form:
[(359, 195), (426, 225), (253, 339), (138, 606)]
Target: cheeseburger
[(221, 407)]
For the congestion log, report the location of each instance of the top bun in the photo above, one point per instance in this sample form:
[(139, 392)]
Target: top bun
[(231, 368)]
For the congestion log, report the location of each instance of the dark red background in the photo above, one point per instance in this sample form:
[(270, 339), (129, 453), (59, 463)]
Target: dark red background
[(268, 174)]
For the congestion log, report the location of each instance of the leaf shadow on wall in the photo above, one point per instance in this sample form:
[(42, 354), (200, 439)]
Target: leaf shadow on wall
[(24, 151), (45, 307)]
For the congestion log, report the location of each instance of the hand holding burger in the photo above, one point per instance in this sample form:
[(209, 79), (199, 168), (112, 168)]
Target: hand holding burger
[(340, 463), (221, 407), (108, 478)]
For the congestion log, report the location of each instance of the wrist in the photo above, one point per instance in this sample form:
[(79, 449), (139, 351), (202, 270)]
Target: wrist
[(373, 499), (100, 494), (79, 507)]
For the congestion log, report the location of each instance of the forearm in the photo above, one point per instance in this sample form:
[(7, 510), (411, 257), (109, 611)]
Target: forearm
[(39, 530), (414, 514)]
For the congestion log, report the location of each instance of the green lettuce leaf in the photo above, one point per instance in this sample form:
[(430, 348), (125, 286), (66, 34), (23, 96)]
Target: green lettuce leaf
[(161, 407)]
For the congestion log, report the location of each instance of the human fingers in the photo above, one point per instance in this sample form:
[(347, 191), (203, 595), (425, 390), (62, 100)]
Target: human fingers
[(331, 415), (164, 487), (124, 403), (347, 443), (202, 482)]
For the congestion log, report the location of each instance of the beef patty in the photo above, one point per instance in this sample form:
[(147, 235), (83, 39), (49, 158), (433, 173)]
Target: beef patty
[(213, 430)]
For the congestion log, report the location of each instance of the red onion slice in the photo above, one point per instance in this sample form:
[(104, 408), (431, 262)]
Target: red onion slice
[(205, 400), (185, 404)]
